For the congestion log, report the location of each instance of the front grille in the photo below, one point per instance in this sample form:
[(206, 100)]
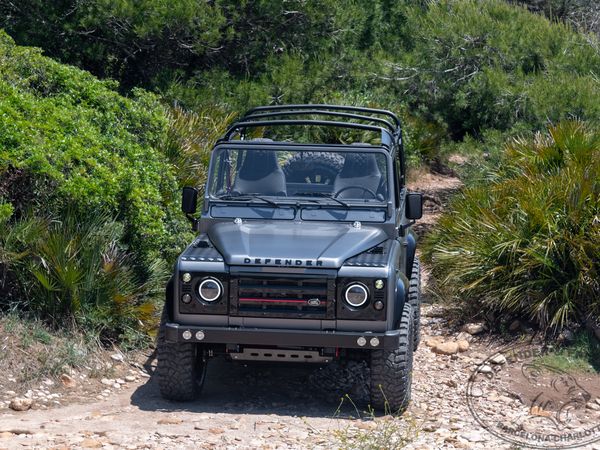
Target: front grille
[(287, 297)]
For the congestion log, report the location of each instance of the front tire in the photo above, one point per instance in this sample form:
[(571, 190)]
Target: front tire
[(181, 367), (391, 370)]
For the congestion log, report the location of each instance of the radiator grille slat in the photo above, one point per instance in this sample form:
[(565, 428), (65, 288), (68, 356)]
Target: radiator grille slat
[(290, 297)]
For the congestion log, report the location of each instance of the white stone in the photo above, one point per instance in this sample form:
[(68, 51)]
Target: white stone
[(498, 359), (20, 404), (485, 369), (117, 357), (445, 348), (473, 328)]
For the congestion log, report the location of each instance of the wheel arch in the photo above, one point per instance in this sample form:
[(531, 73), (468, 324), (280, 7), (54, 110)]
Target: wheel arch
[(411, 249), (400, 300), (169, 299)]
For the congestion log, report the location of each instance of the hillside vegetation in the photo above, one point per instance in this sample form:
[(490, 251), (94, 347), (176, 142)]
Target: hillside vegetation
[(526, 244), (90, 168)]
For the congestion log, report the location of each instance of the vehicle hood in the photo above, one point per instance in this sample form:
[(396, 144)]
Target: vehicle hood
[(292, 244)]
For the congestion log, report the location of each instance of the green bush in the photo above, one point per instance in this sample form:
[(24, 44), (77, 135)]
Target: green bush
[(477, 65), (75, 271), (526, 242), (70, 141)]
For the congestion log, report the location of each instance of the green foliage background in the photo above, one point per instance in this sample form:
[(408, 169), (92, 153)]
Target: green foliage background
[(465, 75)]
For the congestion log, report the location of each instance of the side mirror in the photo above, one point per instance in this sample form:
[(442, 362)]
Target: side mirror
[(414, 205), (189, 200)]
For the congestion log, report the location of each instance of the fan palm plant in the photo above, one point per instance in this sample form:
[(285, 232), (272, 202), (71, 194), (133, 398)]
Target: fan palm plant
[(528, 243)]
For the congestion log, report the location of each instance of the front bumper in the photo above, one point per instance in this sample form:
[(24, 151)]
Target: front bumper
[(281, 337)]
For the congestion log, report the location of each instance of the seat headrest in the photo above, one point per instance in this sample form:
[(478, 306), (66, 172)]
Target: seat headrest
[(258, 164), (359, 165)]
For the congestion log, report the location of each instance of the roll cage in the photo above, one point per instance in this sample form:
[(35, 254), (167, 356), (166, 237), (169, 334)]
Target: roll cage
[(350, 117)]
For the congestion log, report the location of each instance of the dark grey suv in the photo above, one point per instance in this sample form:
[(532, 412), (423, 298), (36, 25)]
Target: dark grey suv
[(304, 252)]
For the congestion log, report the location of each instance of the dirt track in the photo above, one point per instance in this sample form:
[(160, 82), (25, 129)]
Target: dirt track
[(261, 406)]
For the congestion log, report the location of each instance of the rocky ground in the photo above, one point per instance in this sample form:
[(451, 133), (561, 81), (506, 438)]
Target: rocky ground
[(284, 407), (271, 407)]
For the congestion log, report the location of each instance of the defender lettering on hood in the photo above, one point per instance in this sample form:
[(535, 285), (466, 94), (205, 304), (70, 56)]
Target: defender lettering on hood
[(284, 262)]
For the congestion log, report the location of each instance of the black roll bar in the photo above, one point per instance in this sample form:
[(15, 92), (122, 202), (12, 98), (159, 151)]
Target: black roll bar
[(264, 123), (298, 107), (259, 115)]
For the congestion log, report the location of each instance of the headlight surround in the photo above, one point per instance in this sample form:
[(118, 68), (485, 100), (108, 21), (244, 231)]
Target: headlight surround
[(210, 289), (356, 295)]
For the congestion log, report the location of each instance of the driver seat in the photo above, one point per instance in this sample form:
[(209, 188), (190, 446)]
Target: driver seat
[(359, 169), (260, 174)]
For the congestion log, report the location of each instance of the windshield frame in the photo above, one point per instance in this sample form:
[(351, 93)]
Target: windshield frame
[(298, 201)]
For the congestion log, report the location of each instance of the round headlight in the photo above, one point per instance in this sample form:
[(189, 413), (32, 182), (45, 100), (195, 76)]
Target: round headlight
[(210, 290), (356, 295)]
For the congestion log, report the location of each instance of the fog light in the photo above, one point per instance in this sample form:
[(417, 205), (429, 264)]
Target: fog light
[(186, 298), (187, 335), (186, 277), (199, 335), (374, 342), (361, 341), (379, 284), (378, 305)]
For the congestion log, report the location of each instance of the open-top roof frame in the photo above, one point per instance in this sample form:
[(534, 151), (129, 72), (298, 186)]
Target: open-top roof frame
[(313, 112), (327, 123), (324, 107)]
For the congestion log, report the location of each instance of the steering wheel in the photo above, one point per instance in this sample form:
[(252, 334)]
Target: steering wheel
[(368, 191)]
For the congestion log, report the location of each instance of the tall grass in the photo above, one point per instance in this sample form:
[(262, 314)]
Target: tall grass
[(527, 242)]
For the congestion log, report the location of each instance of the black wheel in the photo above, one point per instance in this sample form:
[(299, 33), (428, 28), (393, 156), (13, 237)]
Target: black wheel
[(180, 369), (414, 298), (391, 370), (313, 167)]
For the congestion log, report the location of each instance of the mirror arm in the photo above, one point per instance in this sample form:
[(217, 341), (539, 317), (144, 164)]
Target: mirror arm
[(402, 228), (195, 222)]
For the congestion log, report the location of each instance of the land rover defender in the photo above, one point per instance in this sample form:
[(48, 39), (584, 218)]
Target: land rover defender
[(304, 253)]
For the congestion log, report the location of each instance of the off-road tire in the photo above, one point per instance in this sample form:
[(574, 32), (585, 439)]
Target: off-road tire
[(391, 370), (180, 368), (414, 298), (316, 167)]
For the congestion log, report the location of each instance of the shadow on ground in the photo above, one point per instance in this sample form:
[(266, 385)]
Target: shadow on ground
[(256, 388)]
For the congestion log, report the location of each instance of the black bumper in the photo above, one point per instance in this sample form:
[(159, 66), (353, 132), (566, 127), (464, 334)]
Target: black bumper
[(281, 337)]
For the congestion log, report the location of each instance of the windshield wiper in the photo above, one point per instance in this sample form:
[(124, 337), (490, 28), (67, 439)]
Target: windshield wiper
[(249, 197), (323, 195)]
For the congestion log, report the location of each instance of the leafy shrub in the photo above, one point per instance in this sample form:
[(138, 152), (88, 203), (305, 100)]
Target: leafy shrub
[(492, 65), (68, 140), (526, 242), (74, 271)]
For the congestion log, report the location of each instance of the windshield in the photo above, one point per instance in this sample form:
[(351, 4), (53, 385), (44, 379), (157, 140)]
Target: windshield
[(337, 177)]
